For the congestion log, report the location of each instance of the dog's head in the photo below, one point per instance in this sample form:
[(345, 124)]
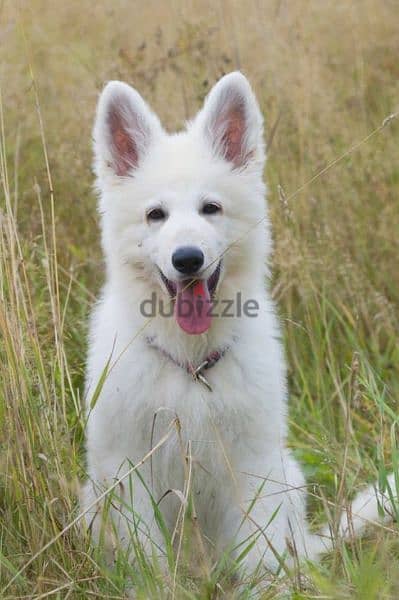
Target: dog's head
[(181, 210)]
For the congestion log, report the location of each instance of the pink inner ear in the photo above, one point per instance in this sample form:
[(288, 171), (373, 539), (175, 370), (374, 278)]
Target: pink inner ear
[(124, 150), (233, 137), (230, 130)]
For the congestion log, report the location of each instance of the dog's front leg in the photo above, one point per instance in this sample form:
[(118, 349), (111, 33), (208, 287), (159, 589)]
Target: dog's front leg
[(122, 520)]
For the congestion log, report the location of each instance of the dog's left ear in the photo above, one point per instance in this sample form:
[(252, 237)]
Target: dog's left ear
[(232, 122), (124, 130)]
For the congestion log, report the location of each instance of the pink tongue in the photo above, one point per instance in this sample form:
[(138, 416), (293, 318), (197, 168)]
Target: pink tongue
[(193, 307)]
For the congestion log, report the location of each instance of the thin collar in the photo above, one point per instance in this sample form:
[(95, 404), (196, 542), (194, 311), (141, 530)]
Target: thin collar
[(195, 372)]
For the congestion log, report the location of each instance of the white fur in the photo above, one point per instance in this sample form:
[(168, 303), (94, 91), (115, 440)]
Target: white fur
[(238, 431)]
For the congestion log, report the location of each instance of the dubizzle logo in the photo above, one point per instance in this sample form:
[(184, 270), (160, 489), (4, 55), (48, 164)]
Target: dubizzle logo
[(225, 308)]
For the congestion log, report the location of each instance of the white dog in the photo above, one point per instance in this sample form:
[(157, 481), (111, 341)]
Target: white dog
[(184, 223)]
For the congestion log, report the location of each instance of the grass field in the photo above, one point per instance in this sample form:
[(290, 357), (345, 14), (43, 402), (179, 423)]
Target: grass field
[(326, 73)]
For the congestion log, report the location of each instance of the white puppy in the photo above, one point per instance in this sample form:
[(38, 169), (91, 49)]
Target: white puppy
[(184, 225)]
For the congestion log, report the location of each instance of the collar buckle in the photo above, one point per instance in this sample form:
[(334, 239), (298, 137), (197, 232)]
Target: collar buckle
[(195, 372), (199, 376)]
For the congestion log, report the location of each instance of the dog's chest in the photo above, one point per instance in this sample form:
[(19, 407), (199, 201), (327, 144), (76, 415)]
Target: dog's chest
[(145, 399)]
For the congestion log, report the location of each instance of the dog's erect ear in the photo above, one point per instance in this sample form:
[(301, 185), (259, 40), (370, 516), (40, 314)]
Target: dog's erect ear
[(232, 122), (124, 128)]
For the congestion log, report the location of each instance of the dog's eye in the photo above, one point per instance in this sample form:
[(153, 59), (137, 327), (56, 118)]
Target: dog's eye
[(211, 208), (156, 214)]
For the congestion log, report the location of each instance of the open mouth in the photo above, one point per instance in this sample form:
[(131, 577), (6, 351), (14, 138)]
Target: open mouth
[(193, 301)]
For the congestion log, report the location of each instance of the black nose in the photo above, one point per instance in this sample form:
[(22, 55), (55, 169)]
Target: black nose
[(188, 259)]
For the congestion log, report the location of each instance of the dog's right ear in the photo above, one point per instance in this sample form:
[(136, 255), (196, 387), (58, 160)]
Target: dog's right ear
[(124, 129), (232, 122)]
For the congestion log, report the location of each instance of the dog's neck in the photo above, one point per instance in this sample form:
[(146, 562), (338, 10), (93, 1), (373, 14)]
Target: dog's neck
[(185, 349), (197, 371)]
